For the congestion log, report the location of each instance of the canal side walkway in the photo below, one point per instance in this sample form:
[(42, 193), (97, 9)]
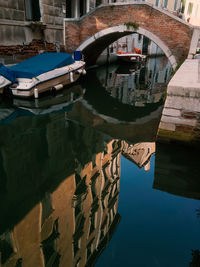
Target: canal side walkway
[(180, 121)]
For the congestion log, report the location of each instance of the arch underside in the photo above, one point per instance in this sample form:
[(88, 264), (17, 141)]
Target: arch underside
[(95, 45)]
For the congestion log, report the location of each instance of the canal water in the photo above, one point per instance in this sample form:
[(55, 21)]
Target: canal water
[(84, 183)]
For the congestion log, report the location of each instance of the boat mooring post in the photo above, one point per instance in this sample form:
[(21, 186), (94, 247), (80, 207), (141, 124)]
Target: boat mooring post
[(36, 95), (71, 76)]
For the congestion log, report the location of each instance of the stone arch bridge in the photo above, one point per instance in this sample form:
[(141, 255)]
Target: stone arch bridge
[(93, 32)]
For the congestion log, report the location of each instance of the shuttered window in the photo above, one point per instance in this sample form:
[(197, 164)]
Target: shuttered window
[(157, 3), (32, 8), (190, 7), (175, 5)]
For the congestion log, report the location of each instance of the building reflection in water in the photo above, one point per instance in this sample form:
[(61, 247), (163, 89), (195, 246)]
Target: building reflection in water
[(137, 84), (177, 173), (63, 211), (139, 153)]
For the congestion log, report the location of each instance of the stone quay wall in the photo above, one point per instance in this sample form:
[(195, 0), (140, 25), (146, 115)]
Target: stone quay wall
[(180, 121)]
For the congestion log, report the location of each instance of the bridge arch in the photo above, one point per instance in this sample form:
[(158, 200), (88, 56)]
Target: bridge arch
[(93, 32), (102, 39)]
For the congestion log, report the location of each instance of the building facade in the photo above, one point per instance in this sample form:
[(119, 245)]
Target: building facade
[(24, 22), (191, 11)]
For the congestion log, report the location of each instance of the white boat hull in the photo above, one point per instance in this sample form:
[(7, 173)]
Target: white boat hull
[(131, 57), (52, 80)]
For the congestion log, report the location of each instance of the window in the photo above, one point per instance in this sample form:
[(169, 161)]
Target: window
[(165, 3), (77, 262), (89, 249), (156, 78), (102, 234), (183, 6), (98, 2), (83, 7), (68, 8), (190, 7), (49, 247), (76, 246), (175, 5), (92, 223), (105, 148), (32, 8), (93, 160), (46, 207), (79, 226), (81, 187), (6, 247), (157, 3)]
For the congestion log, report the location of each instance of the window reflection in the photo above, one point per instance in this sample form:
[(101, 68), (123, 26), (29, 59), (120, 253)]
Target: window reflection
[(50, 247)]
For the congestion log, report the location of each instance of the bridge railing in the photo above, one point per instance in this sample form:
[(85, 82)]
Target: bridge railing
[(178, 12)]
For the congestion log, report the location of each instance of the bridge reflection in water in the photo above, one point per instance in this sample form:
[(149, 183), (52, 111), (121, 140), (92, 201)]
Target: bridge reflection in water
[(137, 84)]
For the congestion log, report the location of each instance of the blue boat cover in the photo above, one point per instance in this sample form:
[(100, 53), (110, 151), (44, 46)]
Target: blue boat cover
[(7, 73), (41, 63)]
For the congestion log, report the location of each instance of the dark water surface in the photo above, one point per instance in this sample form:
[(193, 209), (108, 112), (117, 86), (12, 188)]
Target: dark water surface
[(83, 182)]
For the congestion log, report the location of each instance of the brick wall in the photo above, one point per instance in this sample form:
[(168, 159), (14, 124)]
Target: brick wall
[(16, 53), (31, 49)]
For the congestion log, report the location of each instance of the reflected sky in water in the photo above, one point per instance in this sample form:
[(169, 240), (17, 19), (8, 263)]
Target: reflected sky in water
[(157, 228), (83, 183)]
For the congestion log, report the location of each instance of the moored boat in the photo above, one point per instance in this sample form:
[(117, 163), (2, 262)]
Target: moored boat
[(44, 72), (130, 57)]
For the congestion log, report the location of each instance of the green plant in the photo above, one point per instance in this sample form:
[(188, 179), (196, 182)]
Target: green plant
[(177, 67), (131, 24), (34, 25)]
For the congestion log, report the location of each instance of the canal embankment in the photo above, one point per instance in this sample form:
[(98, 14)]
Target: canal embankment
[(180, 121)]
